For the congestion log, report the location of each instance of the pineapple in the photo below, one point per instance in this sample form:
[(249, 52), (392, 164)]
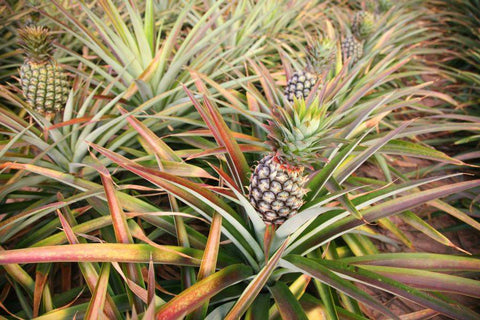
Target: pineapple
[(320, 57), (277, 184), (352, 48), (44, 83), (363, 24)]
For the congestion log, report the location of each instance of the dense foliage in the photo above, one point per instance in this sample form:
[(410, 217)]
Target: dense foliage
[(239, 159)]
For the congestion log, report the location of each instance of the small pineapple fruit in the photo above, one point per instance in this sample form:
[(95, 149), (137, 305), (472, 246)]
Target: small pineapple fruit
[(320, 57), (353, 48), (44, 83), (277, 184), (363, 24)]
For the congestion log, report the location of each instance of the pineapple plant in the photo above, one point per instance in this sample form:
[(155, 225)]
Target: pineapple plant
[(320, 56), (363, 25), (277, 184), (44, 83)]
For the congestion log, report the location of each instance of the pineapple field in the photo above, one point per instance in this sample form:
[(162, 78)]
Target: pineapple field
[(249, 159)]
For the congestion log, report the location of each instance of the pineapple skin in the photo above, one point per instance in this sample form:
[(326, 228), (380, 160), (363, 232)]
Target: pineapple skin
[(320, 56), (351, 47), (276, 190), (300, 85), (44, 85)]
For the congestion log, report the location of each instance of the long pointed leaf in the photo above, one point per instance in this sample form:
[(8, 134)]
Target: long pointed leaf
[(323, 274), (193, 297), (251, 292), (287, 303), (105, 252)]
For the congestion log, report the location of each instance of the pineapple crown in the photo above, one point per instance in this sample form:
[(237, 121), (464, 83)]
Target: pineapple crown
[(384, 5), (321, 55), (379, 6), (36, 42), (363, 24), (297, 132)]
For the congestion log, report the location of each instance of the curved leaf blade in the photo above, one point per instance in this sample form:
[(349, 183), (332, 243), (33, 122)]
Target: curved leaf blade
[(103, 252), (288, 305), (193, 297), (318, 271)]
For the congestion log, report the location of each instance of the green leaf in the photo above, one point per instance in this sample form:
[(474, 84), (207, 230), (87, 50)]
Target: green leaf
[(86, 268), (254, 287), (297, 263), (287, 303), (209, 260), (224, 138), (318, 180), (454, 212), (428, 280), (350, 167), (104, 252), (394, 206), (259, 308), (193, 297), (415, 149), (79, 310), (392, 285), (416, 222), (95, 308), (196, 196), (422, 261)]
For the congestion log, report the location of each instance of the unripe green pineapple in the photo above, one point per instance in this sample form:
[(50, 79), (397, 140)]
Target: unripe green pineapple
[(277, 184), (44, 83), (320, 57), (363, 24), (352, 48)]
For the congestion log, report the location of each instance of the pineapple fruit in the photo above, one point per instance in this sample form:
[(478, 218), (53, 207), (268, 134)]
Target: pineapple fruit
[(277, 184), (352, 48), (43, 82), (320, 57), (363, 25)]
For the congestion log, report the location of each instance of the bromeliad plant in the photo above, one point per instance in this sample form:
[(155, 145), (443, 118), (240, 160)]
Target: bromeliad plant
[(142, 175), (307, 268)]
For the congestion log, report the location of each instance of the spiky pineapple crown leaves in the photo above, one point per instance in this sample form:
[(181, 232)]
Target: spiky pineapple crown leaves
[(36, 41), (297, 131), (363, 24), (379, 6), (320, 55), (384, 5)]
